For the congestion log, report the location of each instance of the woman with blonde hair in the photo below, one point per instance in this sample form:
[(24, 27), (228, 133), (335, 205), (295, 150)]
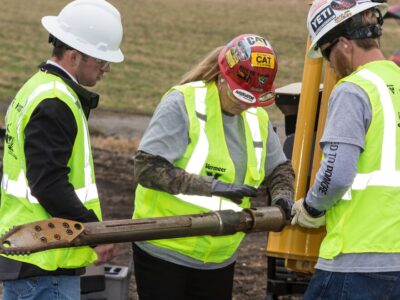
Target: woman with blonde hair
[(208, 147)]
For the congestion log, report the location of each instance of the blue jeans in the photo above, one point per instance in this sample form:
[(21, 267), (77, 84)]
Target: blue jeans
[(43, 288), (353, 286)]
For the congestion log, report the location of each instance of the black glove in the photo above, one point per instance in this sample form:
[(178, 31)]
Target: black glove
[(235, 192), (286, 205)]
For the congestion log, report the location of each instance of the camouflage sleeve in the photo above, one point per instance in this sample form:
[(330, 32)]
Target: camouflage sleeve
[(155, 172), (281, 182)]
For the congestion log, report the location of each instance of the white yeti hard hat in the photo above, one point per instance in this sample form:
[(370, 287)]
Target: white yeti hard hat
[(92, 27), (325, 15)]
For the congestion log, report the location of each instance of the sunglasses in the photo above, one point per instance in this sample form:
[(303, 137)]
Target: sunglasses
[(327, 51)]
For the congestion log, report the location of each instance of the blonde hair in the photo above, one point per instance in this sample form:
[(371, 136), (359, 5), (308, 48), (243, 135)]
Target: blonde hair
[(206, 70)]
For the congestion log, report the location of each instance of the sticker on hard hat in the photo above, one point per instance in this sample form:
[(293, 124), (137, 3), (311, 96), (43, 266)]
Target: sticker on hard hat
[(245, 73), (244, 96), (347, 14), (231, 58), (242, 50), (266, 97), (322, 19), (262, 79), (262, 60), (343, 4), (257, 41)]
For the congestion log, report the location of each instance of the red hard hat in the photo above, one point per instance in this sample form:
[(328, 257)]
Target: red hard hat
[(249, 64)]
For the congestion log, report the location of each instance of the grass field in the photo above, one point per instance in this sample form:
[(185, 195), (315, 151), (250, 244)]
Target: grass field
[(162, 40)]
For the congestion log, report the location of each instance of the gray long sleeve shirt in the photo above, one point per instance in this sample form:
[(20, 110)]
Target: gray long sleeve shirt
[(168, 136), (349, 117)]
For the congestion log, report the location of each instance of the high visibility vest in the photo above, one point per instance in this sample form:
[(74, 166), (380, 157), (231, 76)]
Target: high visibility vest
[(207, 152), (367, 219), (18, 205)]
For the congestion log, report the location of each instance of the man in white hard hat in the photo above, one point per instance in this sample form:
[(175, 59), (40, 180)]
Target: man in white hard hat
[(48, 165), (357, 188)]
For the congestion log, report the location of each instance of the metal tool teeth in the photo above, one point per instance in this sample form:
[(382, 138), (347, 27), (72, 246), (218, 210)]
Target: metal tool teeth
[(16, 252)]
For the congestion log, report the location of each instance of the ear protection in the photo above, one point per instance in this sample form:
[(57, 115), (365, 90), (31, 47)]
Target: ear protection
[(345, 45), (354, 28)]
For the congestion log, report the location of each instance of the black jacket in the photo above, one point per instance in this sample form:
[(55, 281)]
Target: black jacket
[(49, 138)]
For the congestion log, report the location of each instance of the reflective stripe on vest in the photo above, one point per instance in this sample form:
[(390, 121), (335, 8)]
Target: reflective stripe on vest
[(20, 187), (252, 120), (387, 175), (369, 223), (207, 146), (200, 152)]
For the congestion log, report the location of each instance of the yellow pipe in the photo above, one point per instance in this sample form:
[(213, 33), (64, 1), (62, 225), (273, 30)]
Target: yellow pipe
[(313, 238), (294, 242), (300, 246), (305, 124), (330, 79)]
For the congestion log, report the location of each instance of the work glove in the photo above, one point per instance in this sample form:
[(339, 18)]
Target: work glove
[(286, 205), (303, 218), (232, 191)]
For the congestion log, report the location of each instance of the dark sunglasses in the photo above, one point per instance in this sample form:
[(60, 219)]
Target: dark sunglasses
[(327, 51)]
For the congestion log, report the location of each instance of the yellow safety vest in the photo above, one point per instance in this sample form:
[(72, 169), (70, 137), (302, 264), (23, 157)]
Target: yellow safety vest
[(207, 151), (18, 205), (367, 219)]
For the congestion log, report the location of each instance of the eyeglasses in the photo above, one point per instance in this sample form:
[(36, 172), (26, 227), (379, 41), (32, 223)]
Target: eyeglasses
[(327, 51), (103, 64)]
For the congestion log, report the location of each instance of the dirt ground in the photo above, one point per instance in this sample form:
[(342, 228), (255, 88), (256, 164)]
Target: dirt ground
[(115, 139)]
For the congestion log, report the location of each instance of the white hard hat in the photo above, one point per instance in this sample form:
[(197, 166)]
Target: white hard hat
[(92, 27), (325, 15)]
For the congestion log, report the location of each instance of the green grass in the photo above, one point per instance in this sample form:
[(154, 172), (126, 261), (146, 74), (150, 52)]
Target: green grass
[(163, 39)]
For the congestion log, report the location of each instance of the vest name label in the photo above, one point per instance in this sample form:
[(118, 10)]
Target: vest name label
[(214, 168)]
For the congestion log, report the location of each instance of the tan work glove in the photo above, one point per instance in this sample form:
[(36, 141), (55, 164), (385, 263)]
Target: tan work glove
[(303, 218)]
